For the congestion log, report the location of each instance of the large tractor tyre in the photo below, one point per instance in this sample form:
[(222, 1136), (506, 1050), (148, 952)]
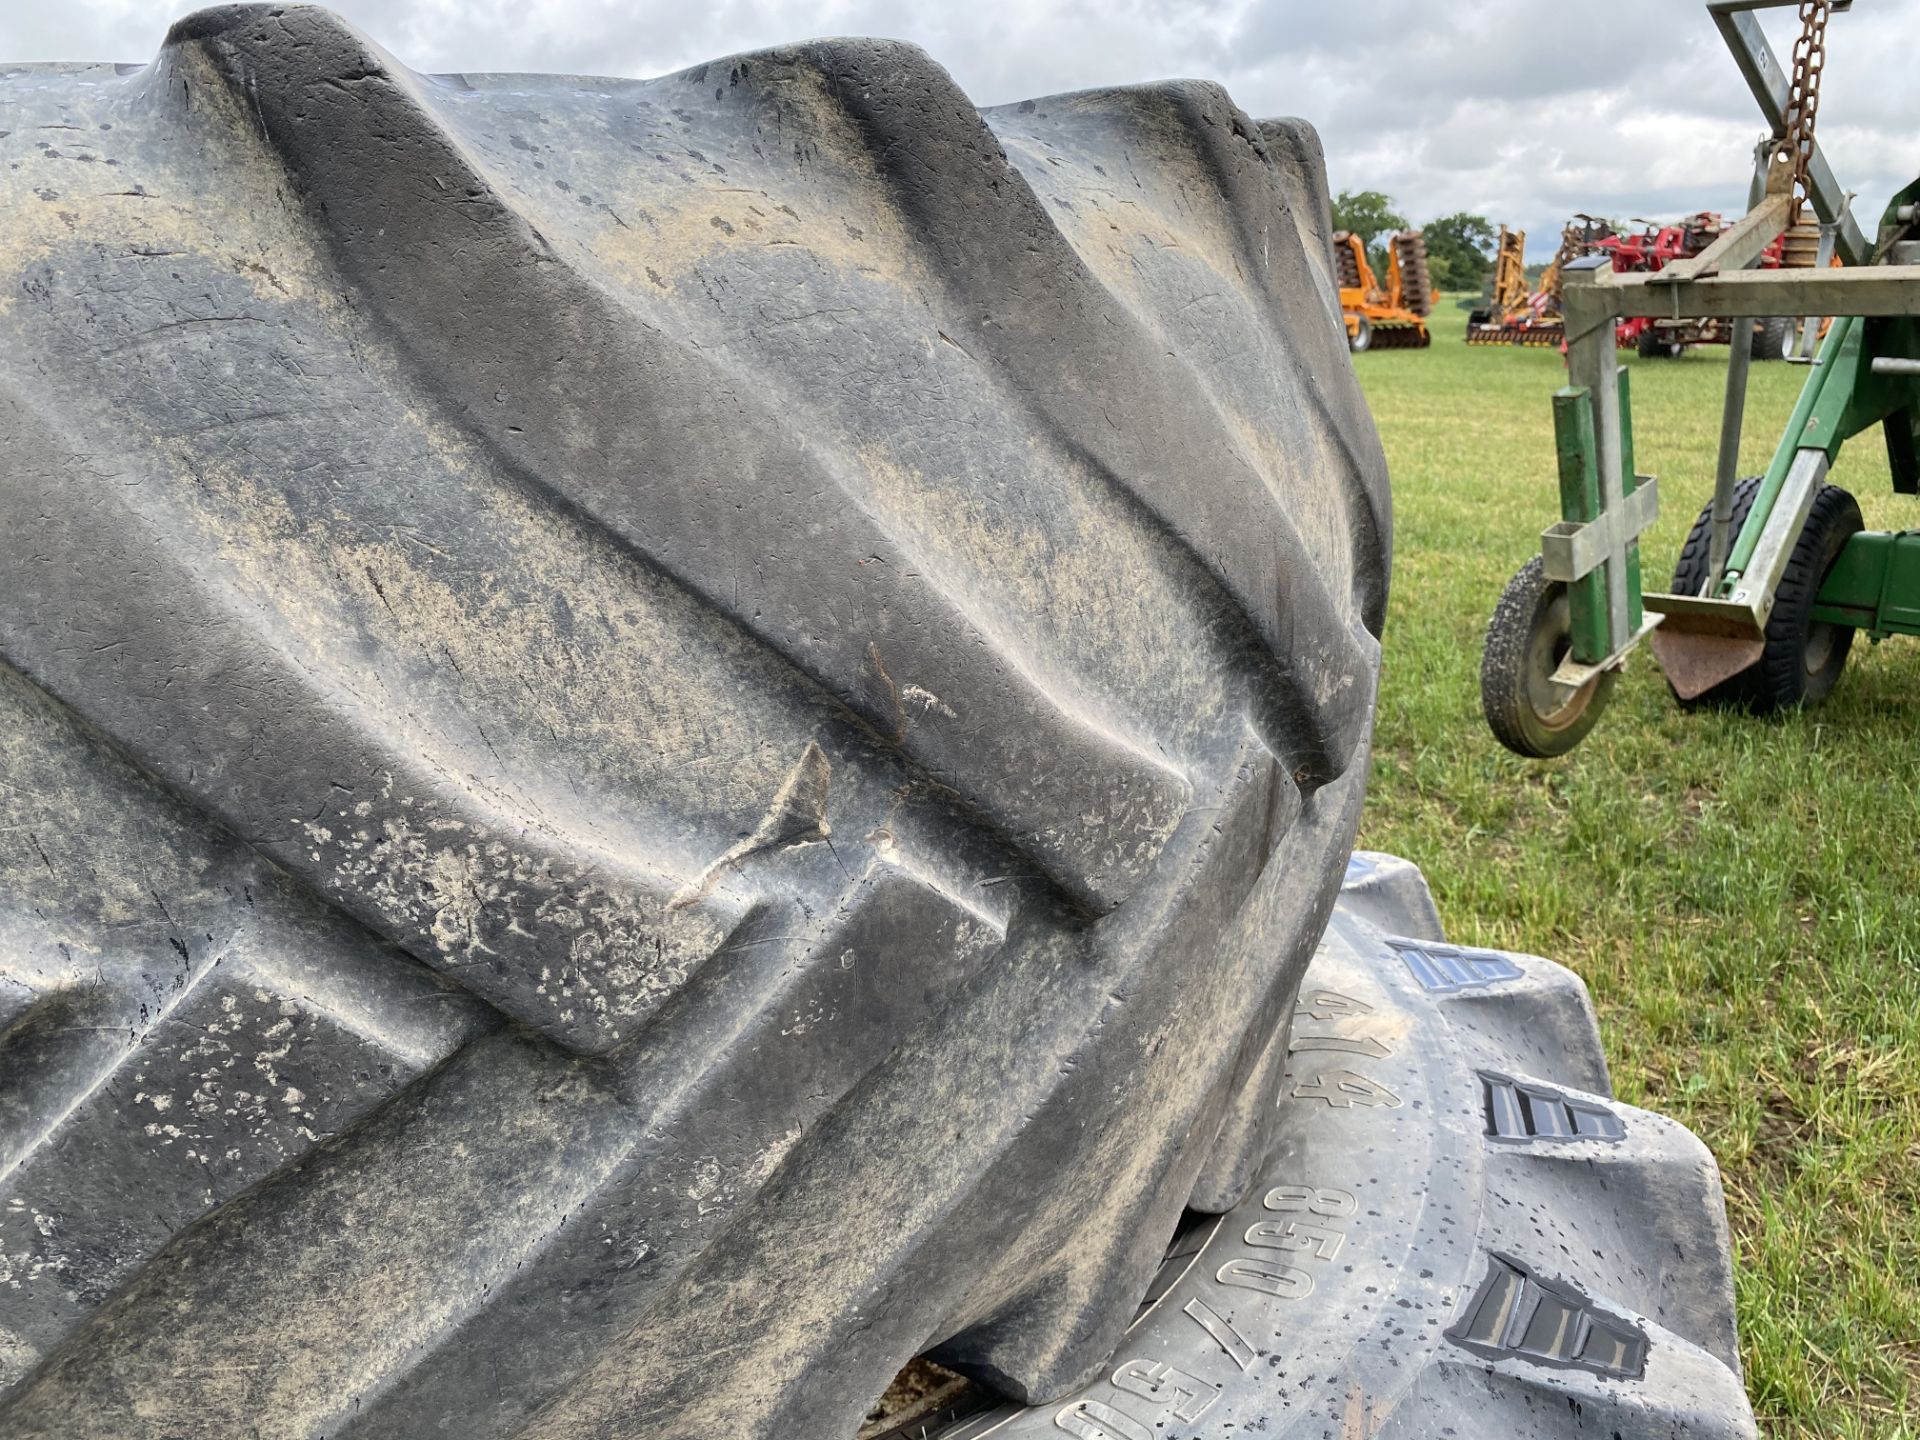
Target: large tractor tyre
[(667, 741), (1803, 657), (1528, 637), (1464, 1234), (1773, 337)]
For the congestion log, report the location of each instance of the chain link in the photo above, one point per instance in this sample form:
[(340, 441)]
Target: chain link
[(1803, 95)]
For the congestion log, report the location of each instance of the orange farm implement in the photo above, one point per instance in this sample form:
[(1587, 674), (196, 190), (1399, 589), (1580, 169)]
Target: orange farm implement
[(1393, 315)]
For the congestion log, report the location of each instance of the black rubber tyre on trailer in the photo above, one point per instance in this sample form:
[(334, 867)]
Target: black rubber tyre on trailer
[(1527, 638), (621, 811), (1651, 344), (1361, 340), (1773, 337), (1803, 657)]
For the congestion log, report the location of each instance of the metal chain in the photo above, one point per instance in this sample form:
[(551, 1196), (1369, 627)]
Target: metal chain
[(1803, 95)]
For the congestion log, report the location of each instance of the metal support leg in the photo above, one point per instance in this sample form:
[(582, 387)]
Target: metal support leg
[(1733, 414), (1594, 550), (1593, 363), (1761, 578), (1725, 475)]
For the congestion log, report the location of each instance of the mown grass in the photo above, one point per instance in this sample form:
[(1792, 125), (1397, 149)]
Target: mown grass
[(1742, 896)]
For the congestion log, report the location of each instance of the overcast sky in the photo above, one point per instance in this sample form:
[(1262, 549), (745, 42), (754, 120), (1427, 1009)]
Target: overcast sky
[(1521, 110)]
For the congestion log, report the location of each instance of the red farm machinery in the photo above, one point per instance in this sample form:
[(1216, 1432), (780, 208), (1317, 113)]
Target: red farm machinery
[(1517, 316)]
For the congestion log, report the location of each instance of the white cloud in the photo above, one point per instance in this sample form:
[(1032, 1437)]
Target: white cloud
[(1522, 111)]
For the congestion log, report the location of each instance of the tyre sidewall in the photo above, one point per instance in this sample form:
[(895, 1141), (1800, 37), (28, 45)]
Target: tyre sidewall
[(1788, 683)]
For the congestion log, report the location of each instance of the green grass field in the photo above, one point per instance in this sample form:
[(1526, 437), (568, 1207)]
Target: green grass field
[(1739, 894)]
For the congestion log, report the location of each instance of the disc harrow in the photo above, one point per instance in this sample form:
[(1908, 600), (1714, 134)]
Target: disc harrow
[(1400, 337), (1534, 337)]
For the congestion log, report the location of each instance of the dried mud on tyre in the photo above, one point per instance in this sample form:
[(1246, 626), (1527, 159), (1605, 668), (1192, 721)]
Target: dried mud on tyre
[(665, 741)]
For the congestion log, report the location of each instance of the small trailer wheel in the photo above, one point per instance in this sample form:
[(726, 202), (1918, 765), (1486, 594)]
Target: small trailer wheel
[(1527, 639), (1362, 337), (1652, 345), (1773, 337)]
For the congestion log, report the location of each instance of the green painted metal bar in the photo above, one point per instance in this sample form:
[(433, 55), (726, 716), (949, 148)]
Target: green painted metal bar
[(1847, 386), (1874, 584), (1843, 329), (1580, 503), (1886, 398), (1636, 613)]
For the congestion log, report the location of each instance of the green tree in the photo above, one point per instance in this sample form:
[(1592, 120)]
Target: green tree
[(1368, 213), (1460, 249)]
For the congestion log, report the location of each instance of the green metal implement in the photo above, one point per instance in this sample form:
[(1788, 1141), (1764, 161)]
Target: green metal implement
[(1875, 585), (1866, 374), (1580, 504), (1711, 641), (1577, 550), (1740, 632)]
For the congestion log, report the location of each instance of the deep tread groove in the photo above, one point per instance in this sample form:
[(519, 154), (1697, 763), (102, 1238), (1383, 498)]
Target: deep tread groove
[(734, 656)]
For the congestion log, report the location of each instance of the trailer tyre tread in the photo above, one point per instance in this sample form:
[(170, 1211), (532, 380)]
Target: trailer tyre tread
[(1424, 1068), (1804, 657), (1773, 337), (1526, 638)]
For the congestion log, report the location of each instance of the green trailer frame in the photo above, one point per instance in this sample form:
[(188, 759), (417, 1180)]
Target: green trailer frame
[(1866, 374)]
